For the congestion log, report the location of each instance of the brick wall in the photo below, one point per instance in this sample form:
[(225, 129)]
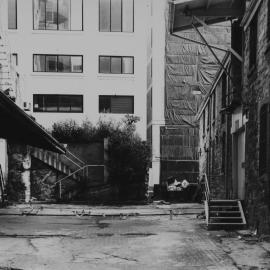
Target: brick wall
[(255, 93)]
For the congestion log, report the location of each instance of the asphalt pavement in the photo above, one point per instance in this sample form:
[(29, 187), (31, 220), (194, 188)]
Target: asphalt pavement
[(111, 238)]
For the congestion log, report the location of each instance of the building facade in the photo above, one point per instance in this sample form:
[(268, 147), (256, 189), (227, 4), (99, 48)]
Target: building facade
[(240, 145), (81, 59)]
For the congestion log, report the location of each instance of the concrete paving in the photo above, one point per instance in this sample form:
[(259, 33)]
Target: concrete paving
[(119, 241)]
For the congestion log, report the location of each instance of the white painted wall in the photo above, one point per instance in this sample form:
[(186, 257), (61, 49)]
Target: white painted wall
[(90, 43), (158, 51)]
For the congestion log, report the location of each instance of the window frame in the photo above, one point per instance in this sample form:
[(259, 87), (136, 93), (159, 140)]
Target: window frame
[(64, 30), (58, 103), (110, 31), (16, 16), (114, 96), (115, 56), (57, 63)]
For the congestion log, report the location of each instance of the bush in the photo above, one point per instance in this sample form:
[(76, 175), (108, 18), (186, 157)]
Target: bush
[(129, 156)]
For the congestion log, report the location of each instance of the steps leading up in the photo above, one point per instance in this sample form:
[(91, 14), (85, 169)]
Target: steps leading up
[(224, 214)]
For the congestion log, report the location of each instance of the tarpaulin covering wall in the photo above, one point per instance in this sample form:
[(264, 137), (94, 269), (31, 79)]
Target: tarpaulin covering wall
[(190, 70)]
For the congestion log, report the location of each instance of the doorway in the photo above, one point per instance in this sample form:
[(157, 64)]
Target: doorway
[(239, 164)]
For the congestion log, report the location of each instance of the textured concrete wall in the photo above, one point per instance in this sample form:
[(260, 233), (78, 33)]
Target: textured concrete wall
[(255, 93)]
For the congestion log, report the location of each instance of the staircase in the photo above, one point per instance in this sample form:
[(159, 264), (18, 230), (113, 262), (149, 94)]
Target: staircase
[(55, 161), (222, 214)]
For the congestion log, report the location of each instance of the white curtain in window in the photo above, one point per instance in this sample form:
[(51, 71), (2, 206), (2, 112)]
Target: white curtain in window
[(127, 65), (116, 15), (127, 16), (104, 15), (76, 14)]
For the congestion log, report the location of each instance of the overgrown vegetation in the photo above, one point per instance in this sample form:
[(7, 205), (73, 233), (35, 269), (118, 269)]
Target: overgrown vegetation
[(128, 154)]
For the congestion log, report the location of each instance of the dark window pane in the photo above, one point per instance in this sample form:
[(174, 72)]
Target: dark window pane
[(104, 104), (76, 104), (76, 14), (64, 14), (104, 15), (64, 63), (39, 14), (39, 63), (116, 15), (51, 63), (127, 16), (12, 14), (116, 65), (65, 103), (50, 103), (127, 65), (58, 103), (51, 14), (122, 104), (104, 64), (76, 64), (38, 103), (253, 41)]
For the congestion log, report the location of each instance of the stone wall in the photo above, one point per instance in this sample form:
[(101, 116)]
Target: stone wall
[(213, 140), (255, 93)]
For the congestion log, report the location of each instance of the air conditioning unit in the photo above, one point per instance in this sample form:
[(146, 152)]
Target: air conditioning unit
[(27, 106)]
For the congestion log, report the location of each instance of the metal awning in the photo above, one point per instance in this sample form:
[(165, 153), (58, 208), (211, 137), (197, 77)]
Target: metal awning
[(16, 125), (209, 11)]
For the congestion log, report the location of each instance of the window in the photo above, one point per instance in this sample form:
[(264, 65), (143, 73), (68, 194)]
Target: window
[(63, 15), (116, 15), (58, 103), (264, 139), (12, 14), (253, 42), (116, 104), (116, 64), (58, 63)]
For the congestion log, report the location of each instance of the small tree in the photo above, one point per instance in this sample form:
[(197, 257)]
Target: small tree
[(129, 156)]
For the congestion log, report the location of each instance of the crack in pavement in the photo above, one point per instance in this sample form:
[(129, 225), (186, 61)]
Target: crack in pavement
[(119, 257), (30, 243)]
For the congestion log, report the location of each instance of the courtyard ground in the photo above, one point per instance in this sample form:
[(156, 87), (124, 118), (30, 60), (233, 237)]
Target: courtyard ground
[(132, 237)]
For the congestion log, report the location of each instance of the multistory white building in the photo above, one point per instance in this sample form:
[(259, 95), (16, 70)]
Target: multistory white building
[(81, 59)]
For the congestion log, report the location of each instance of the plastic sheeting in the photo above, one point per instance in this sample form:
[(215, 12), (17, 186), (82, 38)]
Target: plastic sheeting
[(190, 71)]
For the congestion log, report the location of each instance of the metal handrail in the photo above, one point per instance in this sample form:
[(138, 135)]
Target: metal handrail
[(207, 189), (2, 184), (82, 168)]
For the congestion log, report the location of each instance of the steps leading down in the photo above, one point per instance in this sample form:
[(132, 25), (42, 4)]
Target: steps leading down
[(224, 214)]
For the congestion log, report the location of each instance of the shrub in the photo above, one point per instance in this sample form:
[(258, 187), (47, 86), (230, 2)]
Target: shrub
[(129, 156)]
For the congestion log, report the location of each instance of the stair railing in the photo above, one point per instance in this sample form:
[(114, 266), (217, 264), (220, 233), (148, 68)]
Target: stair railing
[(207, 197), (207, 193), (2, 187)]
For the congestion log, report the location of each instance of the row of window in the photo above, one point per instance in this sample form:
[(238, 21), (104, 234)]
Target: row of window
[(74, 64), (74, 104), (67, 15)]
